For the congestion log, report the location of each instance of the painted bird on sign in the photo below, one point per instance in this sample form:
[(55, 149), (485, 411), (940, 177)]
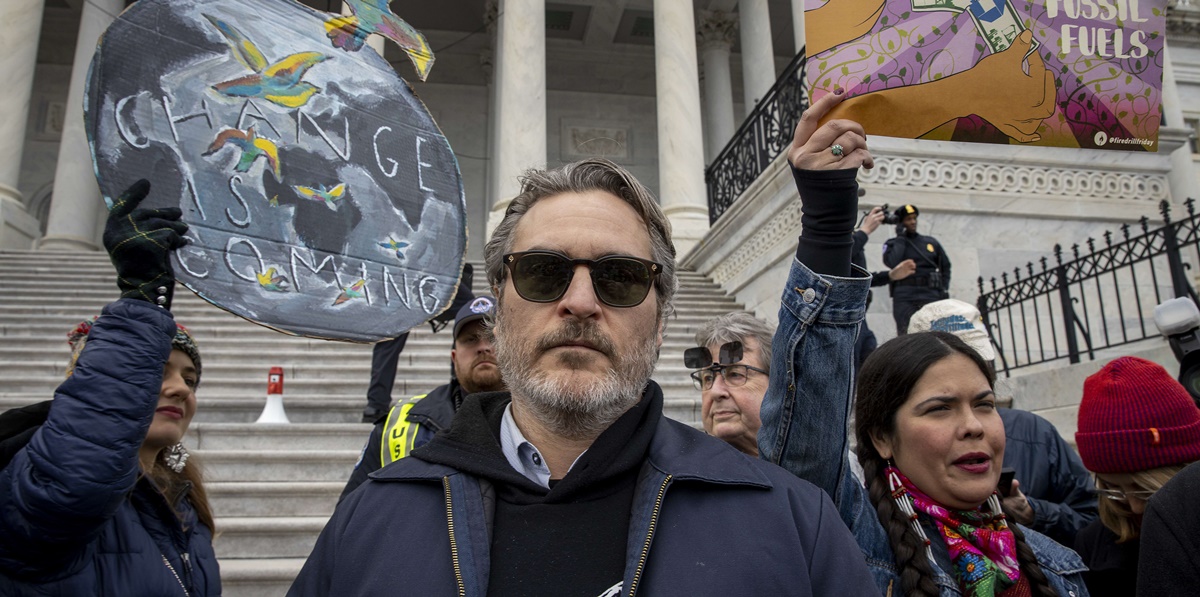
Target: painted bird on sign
[(353, 291), (375, 16), (252, 147), (329, 196), (279, 83), (395, 245), (270, 281)]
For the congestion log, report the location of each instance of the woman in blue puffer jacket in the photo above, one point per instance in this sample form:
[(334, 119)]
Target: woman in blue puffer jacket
[(102, 500)]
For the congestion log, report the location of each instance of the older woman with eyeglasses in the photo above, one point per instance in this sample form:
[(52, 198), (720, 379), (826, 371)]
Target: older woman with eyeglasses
[(1138, 428), (732, 365)]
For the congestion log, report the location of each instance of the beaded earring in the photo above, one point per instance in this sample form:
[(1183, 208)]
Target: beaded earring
[(905, 503), (175, 457), (993, 503)]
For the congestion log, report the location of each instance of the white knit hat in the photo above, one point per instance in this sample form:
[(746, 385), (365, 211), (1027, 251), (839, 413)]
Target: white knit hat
[(958, 318)]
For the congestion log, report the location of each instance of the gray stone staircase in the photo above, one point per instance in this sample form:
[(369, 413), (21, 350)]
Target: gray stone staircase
[(272, 487)]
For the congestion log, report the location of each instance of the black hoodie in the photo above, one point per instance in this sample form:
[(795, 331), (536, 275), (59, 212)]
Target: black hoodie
[(567, 540)]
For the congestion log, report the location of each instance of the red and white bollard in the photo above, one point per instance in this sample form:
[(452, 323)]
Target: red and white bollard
[(273, 411)]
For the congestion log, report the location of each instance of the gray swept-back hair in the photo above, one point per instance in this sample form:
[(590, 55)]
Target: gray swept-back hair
[(594, 174), (738, 326)]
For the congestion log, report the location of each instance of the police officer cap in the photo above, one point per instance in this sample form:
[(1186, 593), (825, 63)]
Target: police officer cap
[(906, 210), (475, 310)]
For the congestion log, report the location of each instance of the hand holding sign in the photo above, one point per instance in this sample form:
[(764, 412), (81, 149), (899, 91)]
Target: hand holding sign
[(941, 69), (811, 145), (140, 242)]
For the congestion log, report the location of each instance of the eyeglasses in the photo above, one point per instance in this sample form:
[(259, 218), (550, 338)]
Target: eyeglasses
[(1117, 495), (618, 280), (734, 375)]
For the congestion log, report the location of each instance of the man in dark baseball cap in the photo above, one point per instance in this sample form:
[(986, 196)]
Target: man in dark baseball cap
[(413, 421)]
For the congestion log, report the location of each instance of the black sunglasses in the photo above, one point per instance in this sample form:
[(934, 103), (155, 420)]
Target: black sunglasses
[(618, 280)]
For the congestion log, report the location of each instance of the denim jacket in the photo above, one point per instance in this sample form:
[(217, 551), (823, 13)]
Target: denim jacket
[(805, 414)]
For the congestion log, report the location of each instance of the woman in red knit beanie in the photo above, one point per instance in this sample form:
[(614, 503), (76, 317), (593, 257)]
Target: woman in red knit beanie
[(1138, 427)]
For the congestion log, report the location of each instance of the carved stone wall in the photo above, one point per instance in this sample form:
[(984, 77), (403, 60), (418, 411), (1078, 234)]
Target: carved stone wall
[(992, 207), (967, 176)]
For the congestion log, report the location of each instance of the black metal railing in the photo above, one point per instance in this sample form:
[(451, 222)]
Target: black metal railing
[(1100, 298), (766, 133)]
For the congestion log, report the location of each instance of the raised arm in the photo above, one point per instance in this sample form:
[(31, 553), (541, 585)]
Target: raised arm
[(59, 490), (804, 414)]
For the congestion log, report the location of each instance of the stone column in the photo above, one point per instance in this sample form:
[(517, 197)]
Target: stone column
[(1182, 177), (20, 26), (520, 99), (716, 34), (680, 141), (76, 206), (479, 228), (491, 72), (758, 56), (798, 24)]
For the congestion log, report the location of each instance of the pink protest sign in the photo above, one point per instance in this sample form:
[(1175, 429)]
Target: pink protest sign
[(1064, 73)]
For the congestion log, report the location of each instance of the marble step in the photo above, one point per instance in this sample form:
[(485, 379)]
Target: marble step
[(39, 301), (280, 536), (258, 577), (274, 436), (348, 366), (298, 388), (326, 409), (264, 466), (54, 330), (107, 280), (269, 499)]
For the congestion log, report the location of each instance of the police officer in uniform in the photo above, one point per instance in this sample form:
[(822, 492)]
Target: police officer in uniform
[(412, 421), (930, 283)]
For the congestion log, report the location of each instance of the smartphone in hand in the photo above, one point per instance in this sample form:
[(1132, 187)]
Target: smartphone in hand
[(1007, 474)]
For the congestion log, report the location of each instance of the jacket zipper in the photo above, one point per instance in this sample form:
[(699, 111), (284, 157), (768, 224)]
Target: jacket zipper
[(187, 568), (186, 593), (637, 575), (458, 577)]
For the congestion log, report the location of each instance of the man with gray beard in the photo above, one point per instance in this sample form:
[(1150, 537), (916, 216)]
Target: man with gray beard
[(573, 482)]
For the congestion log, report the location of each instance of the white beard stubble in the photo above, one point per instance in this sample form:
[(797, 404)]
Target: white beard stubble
[(565, 408)]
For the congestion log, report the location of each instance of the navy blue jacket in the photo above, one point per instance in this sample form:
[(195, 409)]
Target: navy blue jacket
[(75, 518), (706, 520), (1059, 488)]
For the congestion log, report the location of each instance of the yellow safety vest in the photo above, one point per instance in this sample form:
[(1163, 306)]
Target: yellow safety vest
[(399, 434)]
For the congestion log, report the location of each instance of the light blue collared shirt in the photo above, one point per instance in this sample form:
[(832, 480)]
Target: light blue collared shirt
[(521, 454)]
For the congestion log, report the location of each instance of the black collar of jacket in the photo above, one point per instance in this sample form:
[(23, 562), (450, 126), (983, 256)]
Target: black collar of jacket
[(436, 410), (674, 448)]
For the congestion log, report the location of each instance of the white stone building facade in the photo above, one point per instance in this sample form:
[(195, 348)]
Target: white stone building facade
[(659, 86)]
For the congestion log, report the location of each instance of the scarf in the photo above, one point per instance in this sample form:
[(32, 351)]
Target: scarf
[(983, 551)]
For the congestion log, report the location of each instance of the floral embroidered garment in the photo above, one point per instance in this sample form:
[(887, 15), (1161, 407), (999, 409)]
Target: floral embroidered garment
[(982, 549)]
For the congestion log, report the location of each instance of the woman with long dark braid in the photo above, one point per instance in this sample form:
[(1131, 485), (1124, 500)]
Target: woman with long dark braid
[(926, 406), (929, 521)]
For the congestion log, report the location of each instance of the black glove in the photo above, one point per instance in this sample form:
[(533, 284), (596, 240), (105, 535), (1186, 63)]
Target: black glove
[(139, 243)]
